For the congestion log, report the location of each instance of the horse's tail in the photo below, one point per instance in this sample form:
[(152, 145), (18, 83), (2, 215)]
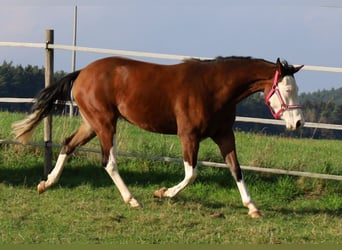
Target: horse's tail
[(60, 91)]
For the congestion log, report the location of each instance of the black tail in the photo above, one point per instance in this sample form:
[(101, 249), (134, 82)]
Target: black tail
[(60, 92), (45, 100)]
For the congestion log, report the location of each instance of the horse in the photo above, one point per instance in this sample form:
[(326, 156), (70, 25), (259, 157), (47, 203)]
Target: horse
[(194, 99)]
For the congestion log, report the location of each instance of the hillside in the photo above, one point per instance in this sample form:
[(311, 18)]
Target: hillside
[(332, 95)]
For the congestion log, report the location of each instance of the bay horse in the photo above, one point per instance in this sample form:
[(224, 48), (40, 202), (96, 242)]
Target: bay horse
[(194, 99)]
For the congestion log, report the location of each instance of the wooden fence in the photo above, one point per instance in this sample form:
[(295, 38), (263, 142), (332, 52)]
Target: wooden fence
[(49, 47)]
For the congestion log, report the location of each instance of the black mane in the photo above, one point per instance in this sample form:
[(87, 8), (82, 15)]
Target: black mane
[(288, 68), (219, 59)]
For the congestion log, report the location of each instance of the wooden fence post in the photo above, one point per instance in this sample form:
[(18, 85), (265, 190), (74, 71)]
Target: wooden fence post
[(49, 54)]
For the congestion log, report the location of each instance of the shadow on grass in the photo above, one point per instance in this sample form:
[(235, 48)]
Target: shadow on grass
[(79, 170), (95, 175), (160, 174)]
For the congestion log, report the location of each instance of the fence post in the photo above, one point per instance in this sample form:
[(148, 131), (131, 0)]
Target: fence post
[(73, 57), (49, 39)]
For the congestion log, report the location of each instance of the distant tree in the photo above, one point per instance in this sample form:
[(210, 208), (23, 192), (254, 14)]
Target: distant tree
[(24, 82)]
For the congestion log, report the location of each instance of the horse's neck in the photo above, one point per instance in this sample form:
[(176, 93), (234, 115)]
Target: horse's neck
[(251, 88), (255, 82)]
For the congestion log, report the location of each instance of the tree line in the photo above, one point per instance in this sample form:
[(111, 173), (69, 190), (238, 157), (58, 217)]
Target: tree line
[(321, 106)]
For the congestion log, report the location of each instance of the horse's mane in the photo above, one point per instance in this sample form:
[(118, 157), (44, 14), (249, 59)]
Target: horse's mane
[(218, 59), (288, 67)]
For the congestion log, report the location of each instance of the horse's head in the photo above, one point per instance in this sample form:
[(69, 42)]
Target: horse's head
[(282, 97)]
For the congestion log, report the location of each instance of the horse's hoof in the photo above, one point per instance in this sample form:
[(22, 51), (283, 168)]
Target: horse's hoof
[(255, 214), (159, 193), (134, 203), (41, 187)]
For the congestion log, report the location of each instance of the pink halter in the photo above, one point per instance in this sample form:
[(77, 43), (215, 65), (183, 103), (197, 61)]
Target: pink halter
[(283, 105)]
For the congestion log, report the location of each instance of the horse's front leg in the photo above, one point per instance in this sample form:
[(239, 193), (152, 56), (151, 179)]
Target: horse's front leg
[(190, 147), (226, 143), (111, 168)]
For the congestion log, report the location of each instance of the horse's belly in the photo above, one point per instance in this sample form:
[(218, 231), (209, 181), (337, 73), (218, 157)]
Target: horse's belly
[(151, 119)]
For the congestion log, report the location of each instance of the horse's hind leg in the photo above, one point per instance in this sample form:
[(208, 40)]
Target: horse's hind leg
[(108, 146), (79, 138)]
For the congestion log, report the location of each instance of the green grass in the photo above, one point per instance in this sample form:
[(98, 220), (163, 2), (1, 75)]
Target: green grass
[(85, 207)]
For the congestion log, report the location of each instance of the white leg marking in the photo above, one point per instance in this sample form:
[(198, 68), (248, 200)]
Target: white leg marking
[(245, 196), (113, 171), (190, 176), (53, 177), (55, 174)]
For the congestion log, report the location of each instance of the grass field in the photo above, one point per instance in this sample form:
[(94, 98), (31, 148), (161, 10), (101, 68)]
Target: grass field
[(85, 207)]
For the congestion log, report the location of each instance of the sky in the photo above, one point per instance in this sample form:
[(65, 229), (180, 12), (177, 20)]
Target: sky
[(301, 31)]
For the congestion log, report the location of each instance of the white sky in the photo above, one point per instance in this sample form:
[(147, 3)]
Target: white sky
[(302, 32)]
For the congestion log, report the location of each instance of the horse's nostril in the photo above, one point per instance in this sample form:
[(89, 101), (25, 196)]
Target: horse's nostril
[(298, 124)]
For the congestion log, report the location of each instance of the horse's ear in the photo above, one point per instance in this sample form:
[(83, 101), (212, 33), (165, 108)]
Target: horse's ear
[(297, 68), (279, 66)]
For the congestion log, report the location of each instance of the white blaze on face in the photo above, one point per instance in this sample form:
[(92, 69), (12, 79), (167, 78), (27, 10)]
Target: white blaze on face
[(289, 93)]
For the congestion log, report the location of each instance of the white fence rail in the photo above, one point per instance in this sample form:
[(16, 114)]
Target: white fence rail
[(136, 53), (168, 57), (50, 46)]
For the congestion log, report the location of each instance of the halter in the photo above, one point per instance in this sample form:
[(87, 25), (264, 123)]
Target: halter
[(284, 107)]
